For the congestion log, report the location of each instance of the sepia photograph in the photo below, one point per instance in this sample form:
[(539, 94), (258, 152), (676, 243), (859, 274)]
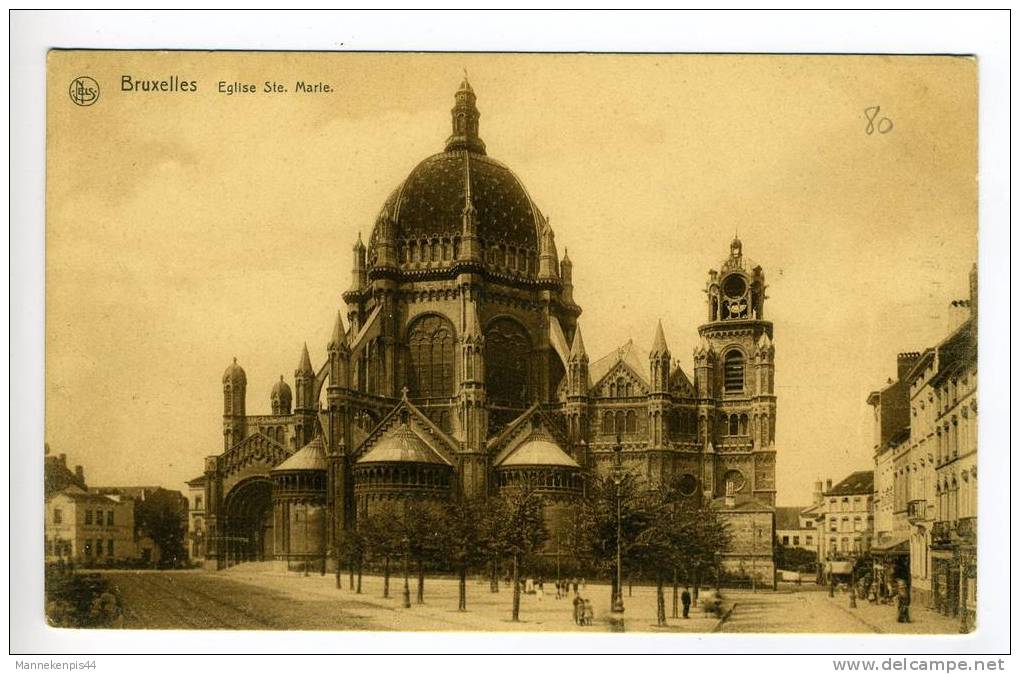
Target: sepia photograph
[(675, 344)]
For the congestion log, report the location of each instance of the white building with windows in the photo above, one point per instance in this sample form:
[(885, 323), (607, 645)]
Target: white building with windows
[(89, 529), (848, 516)]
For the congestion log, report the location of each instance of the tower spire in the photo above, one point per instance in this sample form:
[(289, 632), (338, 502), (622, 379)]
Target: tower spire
[(305, 366), (659, 344)]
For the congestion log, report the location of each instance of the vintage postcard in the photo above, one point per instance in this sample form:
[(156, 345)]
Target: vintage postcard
[(577, 343)]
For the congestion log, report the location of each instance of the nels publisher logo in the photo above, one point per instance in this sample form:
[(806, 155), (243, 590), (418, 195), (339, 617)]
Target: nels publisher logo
[(84, 91)]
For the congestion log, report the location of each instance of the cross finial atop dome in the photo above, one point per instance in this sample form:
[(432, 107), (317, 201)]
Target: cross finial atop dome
[(464, 117)]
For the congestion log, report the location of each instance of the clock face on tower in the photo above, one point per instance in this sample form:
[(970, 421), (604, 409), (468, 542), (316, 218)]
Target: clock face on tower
[(734, 286)]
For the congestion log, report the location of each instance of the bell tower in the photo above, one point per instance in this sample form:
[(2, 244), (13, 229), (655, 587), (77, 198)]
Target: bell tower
[(736, 387)]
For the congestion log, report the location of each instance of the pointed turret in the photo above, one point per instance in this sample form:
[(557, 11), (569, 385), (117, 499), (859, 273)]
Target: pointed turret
[(578, 381), (659, 361), (577, 350), (304, 383), (470, 247), (358, 274), (547, 258), (339, 354), (464, 118), (567, 274), (659, 343), (339, 336), (305, 366)]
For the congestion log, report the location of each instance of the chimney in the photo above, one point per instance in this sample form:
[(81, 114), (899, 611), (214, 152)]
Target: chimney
[(905, 362), (63, 459), (79, 472), (828, 485), (817, 495), (957, 314)]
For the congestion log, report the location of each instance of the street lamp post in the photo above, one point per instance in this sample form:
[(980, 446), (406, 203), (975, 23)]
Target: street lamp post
[(853, 580), (755, 532), (407, 587), (617, 476)]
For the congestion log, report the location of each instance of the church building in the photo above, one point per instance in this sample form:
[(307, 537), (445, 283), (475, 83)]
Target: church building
[(457, 367)]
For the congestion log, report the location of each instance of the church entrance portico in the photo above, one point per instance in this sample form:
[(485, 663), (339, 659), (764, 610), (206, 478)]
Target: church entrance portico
[(248, 522)]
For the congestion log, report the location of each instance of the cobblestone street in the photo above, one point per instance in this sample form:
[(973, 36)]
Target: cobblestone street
[(240, 599)]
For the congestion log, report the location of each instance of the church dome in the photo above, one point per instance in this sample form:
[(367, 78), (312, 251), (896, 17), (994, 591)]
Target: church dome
[(281, 390), (234, 374), (424, 216)]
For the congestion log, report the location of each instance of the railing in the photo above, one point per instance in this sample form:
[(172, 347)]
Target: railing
[(941, 533), (917, 510)]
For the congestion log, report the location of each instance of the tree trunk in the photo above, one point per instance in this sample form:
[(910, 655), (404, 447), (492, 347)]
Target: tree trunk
[(462, 588), (494, 575), (359, 575), (660, 599), (697, 586), (675, 593), (386, 577), (421, 582), (517, 593), (350, 575)]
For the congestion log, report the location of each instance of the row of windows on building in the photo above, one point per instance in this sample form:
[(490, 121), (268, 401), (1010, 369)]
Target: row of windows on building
[(425, 251), (846, 545), (808, 540), (957, 499), (844, 504), (844, 524), (90, 518), (89, 547)]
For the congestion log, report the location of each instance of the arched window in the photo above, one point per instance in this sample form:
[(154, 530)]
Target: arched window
[(733, 374), (430, 341), (227, 399), (734, 425), (507, 358), (743, 424), (724, 426), (631, 421), (608, 428)]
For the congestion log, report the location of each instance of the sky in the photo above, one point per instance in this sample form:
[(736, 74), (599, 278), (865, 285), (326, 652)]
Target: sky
[(186, 229)]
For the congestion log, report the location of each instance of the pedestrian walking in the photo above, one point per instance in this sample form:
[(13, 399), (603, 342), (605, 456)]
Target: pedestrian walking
[(589, 613), (685, 599), (903, 603), (578, 610), (540, 589), (574, 581)]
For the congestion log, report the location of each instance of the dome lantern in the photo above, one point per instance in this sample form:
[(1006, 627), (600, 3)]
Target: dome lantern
[(464, 119)]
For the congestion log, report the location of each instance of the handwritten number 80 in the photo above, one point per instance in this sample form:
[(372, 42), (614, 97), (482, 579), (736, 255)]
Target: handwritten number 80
[(882, 125)]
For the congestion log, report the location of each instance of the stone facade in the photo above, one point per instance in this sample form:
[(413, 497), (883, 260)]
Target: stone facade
[(458, 344)]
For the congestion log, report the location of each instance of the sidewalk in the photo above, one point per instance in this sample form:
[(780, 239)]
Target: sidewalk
[(882, 618)]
